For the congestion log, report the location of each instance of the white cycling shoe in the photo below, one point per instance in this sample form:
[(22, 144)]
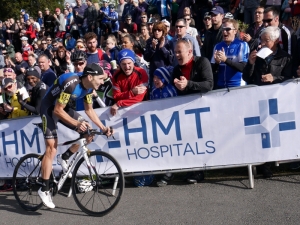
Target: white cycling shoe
[(64, 166), (46, 198)]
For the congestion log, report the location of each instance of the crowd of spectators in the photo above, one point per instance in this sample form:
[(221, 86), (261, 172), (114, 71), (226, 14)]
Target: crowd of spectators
[(149, 50)]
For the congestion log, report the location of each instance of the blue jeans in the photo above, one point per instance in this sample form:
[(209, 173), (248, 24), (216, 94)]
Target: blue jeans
[(249, 15)]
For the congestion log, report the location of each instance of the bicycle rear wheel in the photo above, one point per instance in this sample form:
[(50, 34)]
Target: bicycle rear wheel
[(97, 189), (25, 187)]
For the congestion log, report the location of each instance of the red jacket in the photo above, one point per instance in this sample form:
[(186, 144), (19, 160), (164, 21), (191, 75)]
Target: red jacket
[(31, 31), (123, 85)]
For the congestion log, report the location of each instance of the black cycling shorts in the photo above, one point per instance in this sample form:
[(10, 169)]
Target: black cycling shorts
[(49, 121)]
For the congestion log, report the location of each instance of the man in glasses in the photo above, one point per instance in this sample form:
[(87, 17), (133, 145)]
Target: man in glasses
[(213, 35), (11, 107), (181, 30), (287, 40), (230, 58)]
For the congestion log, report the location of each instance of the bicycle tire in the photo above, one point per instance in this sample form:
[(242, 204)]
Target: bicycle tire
[(25, 188), (102, 191)]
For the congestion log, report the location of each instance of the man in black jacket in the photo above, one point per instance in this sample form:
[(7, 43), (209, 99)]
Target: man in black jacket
[(214, 34), (38, 91), (49, 23), (193, 74)]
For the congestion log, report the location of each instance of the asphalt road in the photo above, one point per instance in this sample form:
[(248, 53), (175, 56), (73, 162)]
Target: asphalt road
[(272, 201)]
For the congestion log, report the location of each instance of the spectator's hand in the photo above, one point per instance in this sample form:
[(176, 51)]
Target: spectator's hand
[(30, 52), (221, 55), (267, 78), (114, 109), (20, 98), (154, 42), (68, 56), (55, 16), (140, 89), (181, 84), (218, 61), (22, 69), (125, 30), (7, 108), (162, 43), (76, 13), (247, 37), (56, 62), (252, 57), (95, 93), (2, 111)]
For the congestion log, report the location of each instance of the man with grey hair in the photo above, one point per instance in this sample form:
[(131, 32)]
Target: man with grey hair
[(275, 68)]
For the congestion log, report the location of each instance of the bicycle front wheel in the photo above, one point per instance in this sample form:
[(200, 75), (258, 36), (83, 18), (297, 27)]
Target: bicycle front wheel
[(97, 185), (25, 187)]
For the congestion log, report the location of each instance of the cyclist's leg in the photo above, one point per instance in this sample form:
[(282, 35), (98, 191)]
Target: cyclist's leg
[(50, 136)]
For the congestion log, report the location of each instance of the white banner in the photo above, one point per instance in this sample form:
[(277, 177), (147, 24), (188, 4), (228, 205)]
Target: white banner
[(243, 126)]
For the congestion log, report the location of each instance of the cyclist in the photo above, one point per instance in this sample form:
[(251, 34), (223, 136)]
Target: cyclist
[(67, 86)]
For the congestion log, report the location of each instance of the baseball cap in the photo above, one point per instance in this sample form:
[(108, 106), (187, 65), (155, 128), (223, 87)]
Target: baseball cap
[(207, 15), (126, 54), (93, 69), (24, 38), (22, 10), (217, 10), (7, 81), (228, 16), (57, 10), (128, 16), (152, 20)]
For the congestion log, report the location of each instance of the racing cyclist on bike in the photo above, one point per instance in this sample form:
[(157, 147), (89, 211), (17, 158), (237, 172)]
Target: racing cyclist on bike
[(67, 86)]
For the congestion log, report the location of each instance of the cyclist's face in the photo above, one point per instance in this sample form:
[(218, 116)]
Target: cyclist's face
[(96, 81)]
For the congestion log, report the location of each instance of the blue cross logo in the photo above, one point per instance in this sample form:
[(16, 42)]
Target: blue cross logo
[(268, 116)]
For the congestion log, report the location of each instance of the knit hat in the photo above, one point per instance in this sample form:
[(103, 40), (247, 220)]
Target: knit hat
[(93, 69), (164, 74), (126, 54), (32, 72)]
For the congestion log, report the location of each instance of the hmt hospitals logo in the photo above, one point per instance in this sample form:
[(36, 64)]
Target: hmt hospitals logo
[(269, 123)]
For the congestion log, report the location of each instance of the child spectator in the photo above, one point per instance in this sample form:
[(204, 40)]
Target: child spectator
[(162, 87), (111, 48)]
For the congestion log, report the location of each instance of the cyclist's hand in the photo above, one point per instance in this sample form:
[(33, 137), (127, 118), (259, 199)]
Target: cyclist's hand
[(109, 131), (82, 126)]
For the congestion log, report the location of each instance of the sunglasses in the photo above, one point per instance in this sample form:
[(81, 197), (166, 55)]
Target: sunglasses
[(227, 29), (187, 19), (207, 18), (157, 30), (143, 17), (79, 46), (8, 70), (78, 63), (180, 27), (267, 20), (128, 19)]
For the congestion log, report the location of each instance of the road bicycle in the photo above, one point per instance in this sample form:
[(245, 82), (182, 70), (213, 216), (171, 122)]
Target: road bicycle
[(97, 179)]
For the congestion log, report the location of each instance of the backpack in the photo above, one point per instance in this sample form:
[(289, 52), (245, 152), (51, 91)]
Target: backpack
[(100, 54)]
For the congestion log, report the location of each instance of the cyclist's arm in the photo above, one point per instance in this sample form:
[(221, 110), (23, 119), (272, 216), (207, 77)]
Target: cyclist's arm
[(62, 115), (90, 112)]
